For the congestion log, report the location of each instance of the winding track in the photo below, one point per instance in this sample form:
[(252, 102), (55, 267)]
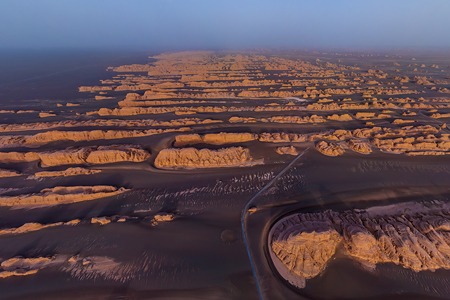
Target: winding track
[(245, 214)]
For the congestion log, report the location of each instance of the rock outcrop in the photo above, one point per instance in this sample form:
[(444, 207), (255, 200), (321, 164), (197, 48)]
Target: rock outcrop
[(78, 156), (47, 137), (411, 235), (4, 173), (30, 227), (191, 158), (330, 148), (360, 146), (19, 266), (66, 173), (100, 220), (290, 150), (94, 155), (161, 218), (221, 138), (61, 195)]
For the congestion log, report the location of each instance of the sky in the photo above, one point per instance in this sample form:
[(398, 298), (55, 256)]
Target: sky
[(224, 24)]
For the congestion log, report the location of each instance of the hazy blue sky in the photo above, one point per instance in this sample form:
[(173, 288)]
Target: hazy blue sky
[(176, 24)]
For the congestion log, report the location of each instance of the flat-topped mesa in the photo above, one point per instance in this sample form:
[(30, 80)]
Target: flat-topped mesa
[(131, 68), (337, 117), (61, 195), (411, 235), (295, 119), (133, 111), (18, 157), (221, 138), (95, 155), (94, 89), (105, 123), (191, 158), (78, 136), (79, 156)]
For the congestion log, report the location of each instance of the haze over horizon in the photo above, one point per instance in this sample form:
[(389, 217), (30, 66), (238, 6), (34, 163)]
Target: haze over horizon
[(195, 24)]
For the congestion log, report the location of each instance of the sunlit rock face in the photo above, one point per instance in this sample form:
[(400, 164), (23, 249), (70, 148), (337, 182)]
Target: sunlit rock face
[(410, 235), (61, 195), (191, 158)]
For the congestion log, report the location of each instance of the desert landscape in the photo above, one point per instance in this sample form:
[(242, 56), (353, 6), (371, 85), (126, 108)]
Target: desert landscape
[(233, 175)]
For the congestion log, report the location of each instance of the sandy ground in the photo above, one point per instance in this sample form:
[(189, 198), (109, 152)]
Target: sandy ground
[(200, 254)]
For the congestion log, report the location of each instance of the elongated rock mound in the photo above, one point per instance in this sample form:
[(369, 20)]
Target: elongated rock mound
[(410, 235), (61, 195), (66, 173), (191, 158), (221, 138), (330, 149), (4, 173)]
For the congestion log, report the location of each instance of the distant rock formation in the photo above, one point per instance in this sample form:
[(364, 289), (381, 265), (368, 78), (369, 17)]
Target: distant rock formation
[(61, 195), (221, 138), (360, 146), (19, 266), (330, 148), (100, 220), (66, 173), (414, 236), (78, 156), (78, 136), (30, 227), (291, 150), (4, 173), (191, 158), (161, 218)]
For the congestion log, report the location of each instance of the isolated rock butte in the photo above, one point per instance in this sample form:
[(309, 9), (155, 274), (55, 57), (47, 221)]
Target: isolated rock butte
[(410, 235), (329, 148), (291, 150), (221, 138), (61, 195), (360, 146), (162, 217), (191, 158), (100, 220)]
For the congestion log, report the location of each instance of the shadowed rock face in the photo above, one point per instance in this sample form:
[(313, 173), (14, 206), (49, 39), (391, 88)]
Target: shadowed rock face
[(410, 235)]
